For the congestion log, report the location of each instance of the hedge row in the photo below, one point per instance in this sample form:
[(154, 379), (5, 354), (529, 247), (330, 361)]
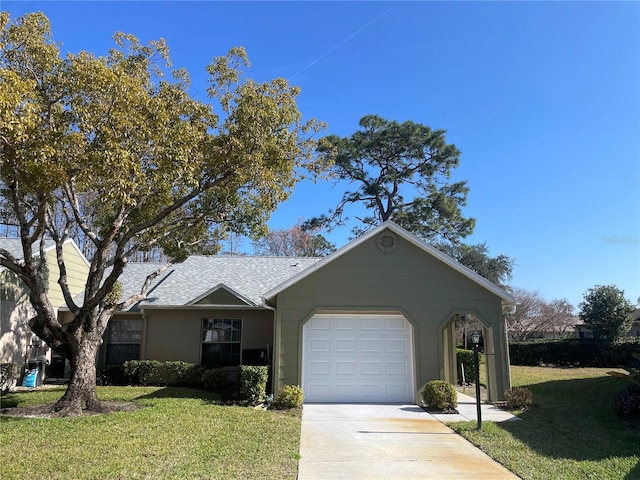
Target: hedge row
[(251, 384), (574, 352), (465, 357)]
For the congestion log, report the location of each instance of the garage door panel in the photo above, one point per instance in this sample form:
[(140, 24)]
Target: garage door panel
[(370, 324), (397, 368), (320, 323), (373, 365), (322, 345), (396, 346), (398, 323), (368, 345), (347, 345), (346, 323), (346, 368), (319, 390), (370, 368), (320, 367)]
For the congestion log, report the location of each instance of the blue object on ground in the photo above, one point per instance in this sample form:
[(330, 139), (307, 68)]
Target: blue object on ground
[(30, 378)]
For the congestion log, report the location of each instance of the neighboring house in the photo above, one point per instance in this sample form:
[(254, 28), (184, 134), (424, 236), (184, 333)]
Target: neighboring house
[(17, 342), (373, 322), (582, 331), (533, 328)]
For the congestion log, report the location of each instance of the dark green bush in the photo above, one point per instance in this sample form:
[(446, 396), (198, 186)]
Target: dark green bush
[(518, 398), (215, 379), (627, 401), (574, 352), (111, 375), (465, 357), (9, 373), (182, 374), (143, 372), (440, 395), (253, 383), (289, 396)]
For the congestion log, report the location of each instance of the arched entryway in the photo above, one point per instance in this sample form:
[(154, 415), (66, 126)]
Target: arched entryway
[(455, 331)]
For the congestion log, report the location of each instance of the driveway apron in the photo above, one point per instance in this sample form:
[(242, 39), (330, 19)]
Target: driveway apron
[(361, 441)]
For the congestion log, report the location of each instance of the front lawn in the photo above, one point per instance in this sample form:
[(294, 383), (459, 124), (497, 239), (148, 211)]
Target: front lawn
[(181, 434), (571, 432)]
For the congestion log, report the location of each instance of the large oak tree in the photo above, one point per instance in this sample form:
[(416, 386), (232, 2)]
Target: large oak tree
[(114, 148)]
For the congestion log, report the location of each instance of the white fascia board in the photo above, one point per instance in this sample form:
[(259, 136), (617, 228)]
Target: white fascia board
[(205, 307)]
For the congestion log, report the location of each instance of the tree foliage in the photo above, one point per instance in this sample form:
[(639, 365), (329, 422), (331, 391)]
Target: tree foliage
[(476, 257), (400, 172), (606, 312), (114, 147), (296, 241)]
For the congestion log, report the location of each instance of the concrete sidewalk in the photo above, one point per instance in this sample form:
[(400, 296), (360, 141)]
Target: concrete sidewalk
[(399, 442), (468, 411)]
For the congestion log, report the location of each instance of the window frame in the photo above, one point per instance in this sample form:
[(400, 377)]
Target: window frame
[(110, 342), (229, 352)]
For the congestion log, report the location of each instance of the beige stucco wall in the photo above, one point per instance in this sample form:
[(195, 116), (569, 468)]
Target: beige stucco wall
[(176, 334), (15, 312), (408, 280)]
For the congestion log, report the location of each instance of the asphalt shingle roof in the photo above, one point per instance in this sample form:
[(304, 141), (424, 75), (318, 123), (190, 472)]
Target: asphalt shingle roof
[(183, 283), (251, 277), (14, 247)]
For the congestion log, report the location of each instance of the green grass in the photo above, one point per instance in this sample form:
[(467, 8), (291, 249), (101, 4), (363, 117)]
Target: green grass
[(571, 432), (181, 434)]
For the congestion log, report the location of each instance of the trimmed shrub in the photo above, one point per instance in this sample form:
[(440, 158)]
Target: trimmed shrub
[(215, 379), (253, 383), (440, 395), (182, 374), (518, 398), (289, 396), (9, 373), (111, 375), (627, 401), (143, 372)]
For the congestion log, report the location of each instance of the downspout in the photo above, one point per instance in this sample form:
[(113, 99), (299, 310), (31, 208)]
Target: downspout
[(274, 349), (143, 340)]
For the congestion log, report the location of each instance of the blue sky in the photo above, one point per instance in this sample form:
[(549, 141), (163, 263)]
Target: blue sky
[(542, 98)]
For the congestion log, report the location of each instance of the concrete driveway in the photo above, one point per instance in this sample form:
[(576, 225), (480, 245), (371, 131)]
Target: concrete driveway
[(362, 441)]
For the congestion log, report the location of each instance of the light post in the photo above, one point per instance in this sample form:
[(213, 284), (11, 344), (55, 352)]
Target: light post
[(475, 339)]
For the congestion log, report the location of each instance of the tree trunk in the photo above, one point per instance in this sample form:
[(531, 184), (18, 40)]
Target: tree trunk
[(81, 392)]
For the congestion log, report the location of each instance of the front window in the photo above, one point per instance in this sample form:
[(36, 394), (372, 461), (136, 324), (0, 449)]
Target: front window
[(221, 342), (123, 341)]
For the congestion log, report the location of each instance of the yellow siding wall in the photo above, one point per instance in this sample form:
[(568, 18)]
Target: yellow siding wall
[(15, 307), (77, 271)]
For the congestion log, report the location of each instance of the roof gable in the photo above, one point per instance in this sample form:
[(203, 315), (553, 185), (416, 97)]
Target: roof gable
[(221, 295), (14, 247), (507, 298)]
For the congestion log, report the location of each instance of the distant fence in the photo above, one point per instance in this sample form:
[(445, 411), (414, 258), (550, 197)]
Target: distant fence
[(574, 352)]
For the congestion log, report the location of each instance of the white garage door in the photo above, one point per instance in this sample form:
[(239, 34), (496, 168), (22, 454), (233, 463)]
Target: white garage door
[(357, 358)]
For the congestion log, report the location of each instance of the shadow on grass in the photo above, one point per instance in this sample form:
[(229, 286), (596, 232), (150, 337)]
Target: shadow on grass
[(183, 392), (8, 401), (634, 474), (575, 419)]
